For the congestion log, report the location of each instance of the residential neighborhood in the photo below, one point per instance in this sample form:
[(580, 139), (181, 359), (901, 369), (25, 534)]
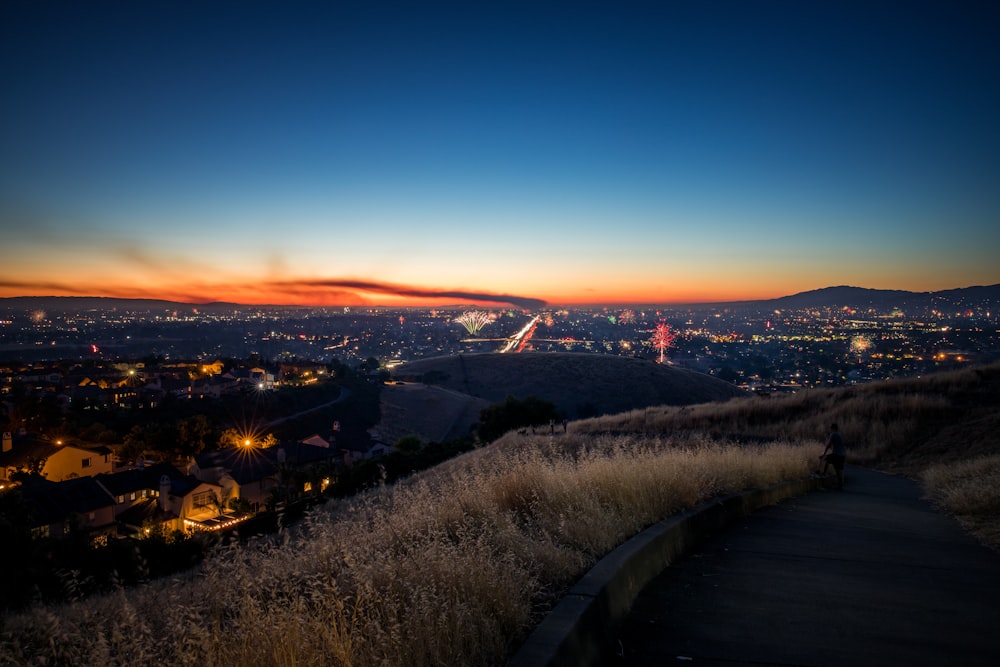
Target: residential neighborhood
[(130, 484), (83, 488)]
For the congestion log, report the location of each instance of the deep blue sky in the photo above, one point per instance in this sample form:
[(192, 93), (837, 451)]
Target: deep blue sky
[(600, 152)]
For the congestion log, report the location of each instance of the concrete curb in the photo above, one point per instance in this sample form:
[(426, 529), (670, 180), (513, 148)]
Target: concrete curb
[(581, 629)]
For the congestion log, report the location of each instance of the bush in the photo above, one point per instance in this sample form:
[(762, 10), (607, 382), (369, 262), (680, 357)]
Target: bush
[(512, 414)]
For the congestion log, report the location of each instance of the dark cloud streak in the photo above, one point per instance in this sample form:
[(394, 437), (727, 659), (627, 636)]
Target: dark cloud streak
[(528, 303), (302, 289)]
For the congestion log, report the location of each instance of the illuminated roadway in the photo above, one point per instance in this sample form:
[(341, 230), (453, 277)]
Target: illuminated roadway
[(516, 342), (516, 339)]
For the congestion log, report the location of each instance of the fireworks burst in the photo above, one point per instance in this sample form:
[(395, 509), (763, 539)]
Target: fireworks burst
[(627, 317), (473, 320), (663, 338), (860, 344)]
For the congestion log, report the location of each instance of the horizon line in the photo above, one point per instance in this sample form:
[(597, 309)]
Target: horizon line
[(494, 301)]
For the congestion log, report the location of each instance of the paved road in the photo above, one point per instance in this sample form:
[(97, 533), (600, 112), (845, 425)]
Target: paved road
[(871, 575)]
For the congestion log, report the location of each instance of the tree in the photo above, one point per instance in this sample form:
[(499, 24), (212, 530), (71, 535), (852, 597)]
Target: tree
[(157, 439), (232, 437), (30, 468), (513, 413), (193, 434), (408, 444)]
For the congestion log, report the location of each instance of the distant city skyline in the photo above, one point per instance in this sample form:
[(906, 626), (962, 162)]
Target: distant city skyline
[(384, 154)]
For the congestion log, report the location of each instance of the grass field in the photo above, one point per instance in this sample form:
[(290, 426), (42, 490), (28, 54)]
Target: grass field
[(456, 565)]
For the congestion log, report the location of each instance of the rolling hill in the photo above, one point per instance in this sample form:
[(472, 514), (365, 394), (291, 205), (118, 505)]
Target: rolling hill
[(580, 385)]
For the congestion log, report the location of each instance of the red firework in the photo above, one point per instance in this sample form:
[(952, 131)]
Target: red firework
[(663, 338)]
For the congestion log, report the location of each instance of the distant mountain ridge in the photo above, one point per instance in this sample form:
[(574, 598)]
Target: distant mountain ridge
[(860, 297), (842, 295)]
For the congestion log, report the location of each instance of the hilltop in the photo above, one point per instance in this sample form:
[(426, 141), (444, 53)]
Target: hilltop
[(579, 384), (434, 414), (454, 565)]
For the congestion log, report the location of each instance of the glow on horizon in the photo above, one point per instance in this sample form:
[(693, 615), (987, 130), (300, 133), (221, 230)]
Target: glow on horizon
[(667, 153), (306, 293)]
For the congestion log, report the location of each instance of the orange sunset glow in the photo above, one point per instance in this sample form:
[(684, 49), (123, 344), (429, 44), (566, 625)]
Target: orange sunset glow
[(693, 157)]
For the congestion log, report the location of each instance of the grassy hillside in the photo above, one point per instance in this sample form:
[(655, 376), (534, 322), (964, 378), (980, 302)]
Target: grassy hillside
[(902, 425), (434, 414), (578, 384), (943, 429), (456, 565)]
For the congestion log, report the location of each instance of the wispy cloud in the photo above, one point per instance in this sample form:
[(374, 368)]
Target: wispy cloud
[(308, 291)]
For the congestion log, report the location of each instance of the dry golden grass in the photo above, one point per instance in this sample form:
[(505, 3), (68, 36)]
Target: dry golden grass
[(456, 565), (453, 567), (971, 490), (943, 429)]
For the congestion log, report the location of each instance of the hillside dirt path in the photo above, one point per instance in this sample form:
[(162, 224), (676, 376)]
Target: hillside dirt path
[(872, 575)]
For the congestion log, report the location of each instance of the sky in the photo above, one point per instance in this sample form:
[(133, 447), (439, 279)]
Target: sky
[(497, 152)]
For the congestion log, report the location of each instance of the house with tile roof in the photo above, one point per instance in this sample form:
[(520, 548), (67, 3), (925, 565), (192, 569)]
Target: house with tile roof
[(136, 496), (58, 460), (246, 473), (189, 503), (254, 474), (58, 508)]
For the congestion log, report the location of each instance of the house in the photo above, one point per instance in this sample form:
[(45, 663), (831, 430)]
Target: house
[(354, 451), (253, 475), (177, 502), (304, 468), (245, 473), (304, 372), (262, 378), (58, 508), (125, 503), (90, 395), (316, 440), (187, 503), (214, 386), (58, 461), (163, 385), (135, 493)]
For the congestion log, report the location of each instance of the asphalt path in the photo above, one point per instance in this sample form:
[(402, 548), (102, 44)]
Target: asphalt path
[(871, 575)]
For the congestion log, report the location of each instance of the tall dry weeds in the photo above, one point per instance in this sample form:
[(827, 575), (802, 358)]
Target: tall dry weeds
[(971, 490), (879, 427), (453, 567), (456, 565)]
